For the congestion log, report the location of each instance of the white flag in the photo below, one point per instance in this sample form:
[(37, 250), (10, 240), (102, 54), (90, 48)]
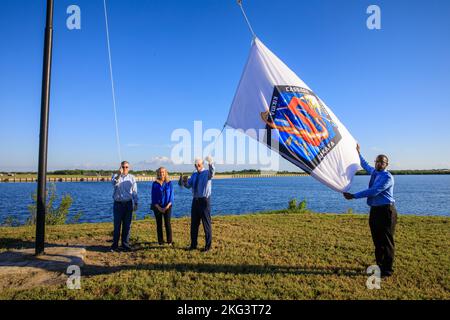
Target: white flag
[(298, 125)]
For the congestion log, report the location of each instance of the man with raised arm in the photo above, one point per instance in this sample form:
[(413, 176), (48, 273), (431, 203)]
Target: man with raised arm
[(383, 214), (200, 182), (125, 202)]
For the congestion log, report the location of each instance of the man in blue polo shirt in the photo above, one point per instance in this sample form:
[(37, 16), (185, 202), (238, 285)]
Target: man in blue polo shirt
[(383, 214)]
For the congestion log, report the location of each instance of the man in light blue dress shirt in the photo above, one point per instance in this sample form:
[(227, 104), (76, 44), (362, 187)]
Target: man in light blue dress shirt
[(200, 182), (383, 214), (125, 202)]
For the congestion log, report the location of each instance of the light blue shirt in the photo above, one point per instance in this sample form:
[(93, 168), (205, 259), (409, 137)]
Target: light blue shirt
[(381, 186), (200, 182), (125, 188)]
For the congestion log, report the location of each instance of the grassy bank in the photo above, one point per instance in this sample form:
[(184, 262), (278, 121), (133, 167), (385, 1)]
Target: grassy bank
[(256, 256)]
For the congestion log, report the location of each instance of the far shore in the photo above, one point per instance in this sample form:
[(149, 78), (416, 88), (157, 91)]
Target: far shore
[(140, 177)]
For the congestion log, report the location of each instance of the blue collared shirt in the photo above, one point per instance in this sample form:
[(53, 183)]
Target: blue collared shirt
[(162, 194), (381, 186), (200, 182), (125, 188)]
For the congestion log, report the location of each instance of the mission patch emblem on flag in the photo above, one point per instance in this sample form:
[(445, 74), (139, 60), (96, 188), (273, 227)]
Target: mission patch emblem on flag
[(306, 131)]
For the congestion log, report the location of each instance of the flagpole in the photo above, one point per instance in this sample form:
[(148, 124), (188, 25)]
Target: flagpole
[(43, 135)]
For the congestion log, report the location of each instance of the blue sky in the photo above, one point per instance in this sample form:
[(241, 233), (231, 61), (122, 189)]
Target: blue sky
[(180, 61)]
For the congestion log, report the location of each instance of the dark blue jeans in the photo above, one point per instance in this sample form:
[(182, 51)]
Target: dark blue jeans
[(201, 212), (123, 213)]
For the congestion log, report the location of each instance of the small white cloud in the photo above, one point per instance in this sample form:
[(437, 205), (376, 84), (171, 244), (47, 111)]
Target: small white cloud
[(161, 160), (153, 163), (88, 166)]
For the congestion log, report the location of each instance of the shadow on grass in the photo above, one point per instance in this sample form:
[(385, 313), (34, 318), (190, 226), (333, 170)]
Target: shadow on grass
[(12, 243), (14, 258), (8, 243), (225, 268)]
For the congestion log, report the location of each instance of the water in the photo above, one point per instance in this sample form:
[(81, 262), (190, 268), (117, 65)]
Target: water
[(419, 195)]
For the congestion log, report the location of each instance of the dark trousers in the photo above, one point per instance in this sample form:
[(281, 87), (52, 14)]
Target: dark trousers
[(159, 224), (201, 211), (123, 213), (382, 221)]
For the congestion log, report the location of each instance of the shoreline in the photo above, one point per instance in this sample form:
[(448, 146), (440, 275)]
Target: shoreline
[(149, 216)]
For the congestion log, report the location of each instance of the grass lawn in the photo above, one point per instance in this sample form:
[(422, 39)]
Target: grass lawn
[(255, 256)]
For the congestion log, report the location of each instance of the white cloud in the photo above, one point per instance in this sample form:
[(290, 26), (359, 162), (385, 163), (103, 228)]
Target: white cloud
[(153, 163), (86, 166)]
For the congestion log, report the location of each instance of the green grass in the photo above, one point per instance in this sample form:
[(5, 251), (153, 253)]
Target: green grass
[(255, 256)]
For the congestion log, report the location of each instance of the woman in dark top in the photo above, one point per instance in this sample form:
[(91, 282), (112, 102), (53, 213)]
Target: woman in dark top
[(162, 199)]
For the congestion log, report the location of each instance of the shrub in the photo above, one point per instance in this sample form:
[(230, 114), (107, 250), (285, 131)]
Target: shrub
[(10, 221), (300, 208), (54, 215), (292, 205)]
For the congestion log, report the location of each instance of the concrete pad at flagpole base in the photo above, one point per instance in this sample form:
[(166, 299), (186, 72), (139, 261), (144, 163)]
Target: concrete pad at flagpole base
[(50, 267)]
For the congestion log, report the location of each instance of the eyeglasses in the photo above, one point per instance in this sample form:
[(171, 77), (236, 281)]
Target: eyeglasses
[(124, 167), (378, 161)]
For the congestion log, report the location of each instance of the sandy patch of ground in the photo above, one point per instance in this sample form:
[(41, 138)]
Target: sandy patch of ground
[(19, 268)]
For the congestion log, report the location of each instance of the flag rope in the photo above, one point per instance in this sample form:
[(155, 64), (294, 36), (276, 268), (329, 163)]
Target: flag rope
[(119, 151), (239, 2)]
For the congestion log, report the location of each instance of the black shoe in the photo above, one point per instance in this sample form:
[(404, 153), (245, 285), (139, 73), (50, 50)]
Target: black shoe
[(386, 274), (190, 248), (206, 249), (114, 249), (127, 249)]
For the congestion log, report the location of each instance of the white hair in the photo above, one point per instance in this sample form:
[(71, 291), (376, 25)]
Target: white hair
[(198, 160)]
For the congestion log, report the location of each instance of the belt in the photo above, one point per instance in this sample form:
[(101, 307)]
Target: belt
[(385, 205), (123, 201), (198, 198)]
